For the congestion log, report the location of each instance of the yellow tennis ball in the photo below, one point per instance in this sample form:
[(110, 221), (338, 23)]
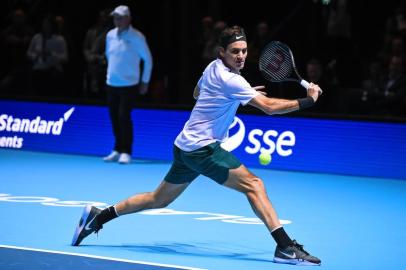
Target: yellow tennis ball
[(265, 158)]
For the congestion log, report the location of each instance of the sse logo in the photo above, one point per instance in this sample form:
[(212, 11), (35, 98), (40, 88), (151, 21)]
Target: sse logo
[(260, 141)]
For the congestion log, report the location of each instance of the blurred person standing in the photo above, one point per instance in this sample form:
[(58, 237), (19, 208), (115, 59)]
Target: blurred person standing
[(394, 46), (373, 84), (125, 48), (316, 73), (63, 27), (93, 51), (211, 47), (261, 37), (15, 39), (393, 101), (339, 44), (48, 52)]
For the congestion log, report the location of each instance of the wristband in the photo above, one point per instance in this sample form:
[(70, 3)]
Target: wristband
[(305, 102)]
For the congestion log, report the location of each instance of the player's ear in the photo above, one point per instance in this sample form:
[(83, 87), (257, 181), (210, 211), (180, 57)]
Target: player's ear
[(222, 52)]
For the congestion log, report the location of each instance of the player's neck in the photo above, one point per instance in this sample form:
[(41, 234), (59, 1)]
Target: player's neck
[(232, 69), (122, 29)]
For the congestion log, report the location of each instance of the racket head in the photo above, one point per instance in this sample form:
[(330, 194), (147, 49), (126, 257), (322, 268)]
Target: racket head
[(276, 63)]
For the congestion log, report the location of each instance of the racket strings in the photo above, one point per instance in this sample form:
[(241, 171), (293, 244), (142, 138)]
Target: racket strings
[(276, 63)]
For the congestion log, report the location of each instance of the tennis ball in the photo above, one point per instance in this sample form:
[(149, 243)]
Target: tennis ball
[(265, 158)]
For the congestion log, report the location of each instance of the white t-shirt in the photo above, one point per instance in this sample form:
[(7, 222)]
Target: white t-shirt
[(221, 92), (124, 52)]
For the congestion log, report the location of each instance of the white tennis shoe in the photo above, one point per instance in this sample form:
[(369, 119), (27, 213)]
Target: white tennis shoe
[(113, 156), (124, 158)]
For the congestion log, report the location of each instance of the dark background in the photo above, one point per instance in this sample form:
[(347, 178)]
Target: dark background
[(173, 27)]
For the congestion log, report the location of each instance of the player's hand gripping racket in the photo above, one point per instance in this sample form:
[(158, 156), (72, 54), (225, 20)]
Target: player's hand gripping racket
[(277, 64)]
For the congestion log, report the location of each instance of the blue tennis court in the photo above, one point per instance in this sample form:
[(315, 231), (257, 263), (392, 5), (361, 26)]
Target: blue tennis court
[(349, 222)]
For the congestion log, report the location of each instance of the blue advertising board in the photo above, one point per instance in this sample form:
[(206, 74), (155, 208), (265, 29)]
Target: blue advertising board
[(301, 144)]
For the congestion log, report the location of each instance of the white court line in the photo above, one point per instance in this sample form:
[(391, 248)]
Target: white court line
[(100, 257)]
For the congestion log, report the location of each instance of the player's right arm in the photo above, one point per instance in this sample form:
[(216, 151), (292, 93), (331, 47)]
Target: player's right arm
[(274, 105), (280, 106)]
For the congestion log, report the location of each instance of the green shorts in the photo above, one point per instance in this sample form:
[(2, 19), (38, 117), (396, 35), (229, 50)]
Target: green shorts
[(211, 161)]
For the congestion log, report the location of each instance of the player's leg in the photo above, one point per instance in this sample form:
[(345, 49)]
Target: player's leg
[(252, 186), (159, 198), (176, 181), (93, 218), (287, 250), (224, 168)]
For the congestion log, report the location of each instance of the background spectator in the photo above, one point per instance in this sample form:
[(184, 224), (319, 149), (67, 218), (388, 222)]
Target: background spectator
[(256, 42), (210, 47), (48, 53), (15, 38), (93, 51), (392, 101)]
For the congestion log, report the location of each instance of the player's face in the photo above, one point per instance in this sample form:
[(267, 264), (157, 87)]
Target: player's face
[(234, 55), (121, 22)]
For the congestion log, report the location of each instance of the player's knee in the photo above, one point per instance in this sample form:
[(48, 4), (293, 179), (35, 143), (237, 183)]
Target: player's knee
[(255, 185), (160, 202), (165, 203)]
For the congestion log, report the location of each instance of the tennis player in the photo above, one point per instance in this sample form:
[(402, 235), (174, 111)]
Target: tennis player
[(219, 92)]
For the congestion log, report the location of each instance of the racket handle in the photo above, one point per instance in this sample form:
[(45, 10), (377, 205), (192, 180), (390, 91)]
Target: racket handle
[(306, 85)]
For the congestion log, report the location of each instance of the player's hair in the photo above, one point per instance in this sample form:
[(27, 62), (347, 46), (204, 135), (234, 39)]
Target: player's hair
[(231, 34)]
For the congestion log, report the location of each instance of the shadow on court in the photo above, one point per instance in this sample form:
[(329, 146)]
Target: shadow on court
[(205, 250)]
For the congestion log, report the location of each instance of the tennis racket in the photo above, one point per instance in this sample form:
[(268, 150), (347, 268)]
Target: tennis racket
[(277, 64)]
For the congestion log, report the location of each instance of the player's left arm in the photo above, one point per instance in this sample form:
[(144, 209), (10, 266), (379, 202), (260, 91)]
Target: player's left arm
[(146, 56), (196, 92)]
